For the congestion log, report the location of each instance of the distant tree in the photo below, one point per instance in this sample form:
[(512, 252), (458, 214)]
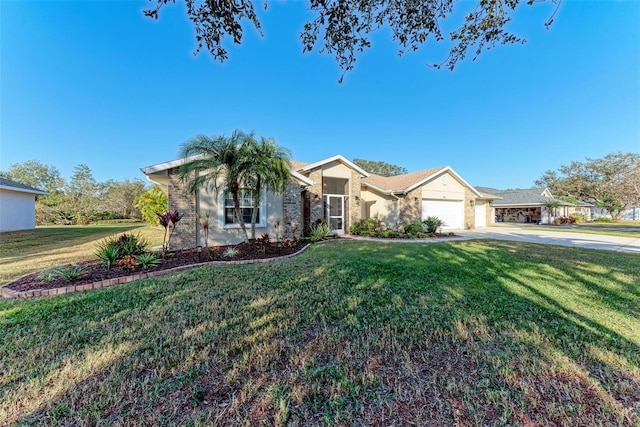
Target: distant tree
[(345, 27), (82, 194), (118, 196), (269, 170), (219, 162), (35, 174), (611, 182), (150, 203), (380, 168)]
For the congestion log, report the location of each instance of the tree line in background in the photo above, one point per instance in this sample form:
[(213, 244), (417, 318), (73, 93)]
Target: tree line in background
[(83, 200), (611, 182)]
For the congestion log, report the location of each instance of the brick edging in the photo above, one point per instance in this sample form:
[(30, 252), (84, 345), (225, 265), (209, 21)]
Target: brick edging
[(11, 294)]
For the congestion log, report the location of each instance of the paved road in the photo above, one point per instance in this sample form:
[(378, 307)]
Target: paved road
[(563, 238)]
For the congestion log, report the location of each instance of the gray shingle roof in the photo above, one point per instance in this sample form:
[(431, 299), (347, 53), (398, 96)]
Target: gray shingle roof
[(16, 186), (520, 196)]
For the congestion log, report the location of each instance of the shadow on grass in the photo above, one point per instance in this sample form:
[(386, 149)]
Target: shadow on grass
[(347, 333)]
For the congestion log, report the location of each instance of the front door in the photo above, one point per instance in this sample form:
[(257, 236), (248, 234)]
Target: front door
[(334, 212)]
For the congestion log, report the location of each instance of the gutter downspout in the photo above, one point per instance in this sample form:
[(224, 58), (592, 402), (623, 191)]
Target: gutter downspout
[(397, 207)]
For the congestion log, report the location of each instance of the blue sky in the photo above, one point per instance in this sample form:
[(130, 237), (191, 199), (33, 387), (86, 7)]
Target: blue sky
[(98, 83)]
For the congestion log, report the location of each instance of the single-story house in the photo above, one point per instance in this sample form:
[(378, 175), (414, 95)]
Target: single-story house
[(529, 205), (17, 205), (334, 189)]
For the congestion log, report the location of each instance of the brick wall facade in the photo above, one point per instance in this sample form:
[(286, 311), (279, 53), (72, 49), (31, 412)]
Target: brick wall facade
[(292, 210), (317, 203), (469, 209), (411, 207), (355, 211), (184, 236)]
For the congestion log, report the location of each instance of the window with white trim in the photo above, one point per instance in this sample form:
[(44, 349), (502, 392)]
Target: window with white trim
[(246, 208)]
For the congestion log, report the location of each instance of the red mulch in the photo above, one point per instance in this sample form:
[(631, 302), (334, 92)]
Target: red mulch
[(97, 272)]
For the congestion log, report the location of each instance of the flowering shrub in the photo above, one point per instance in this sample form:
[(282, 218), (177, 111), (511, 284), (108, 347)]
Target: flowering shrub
[(565, 220), (128, 263), (168, 220)]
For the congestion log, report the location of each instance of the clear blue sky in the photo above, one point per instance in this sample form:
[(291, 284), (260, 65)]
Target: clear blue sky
[(98, 83)]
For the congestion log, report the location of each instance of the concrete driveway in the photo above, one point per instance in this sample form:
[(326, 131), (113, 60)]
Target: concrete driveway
[(563, 238)]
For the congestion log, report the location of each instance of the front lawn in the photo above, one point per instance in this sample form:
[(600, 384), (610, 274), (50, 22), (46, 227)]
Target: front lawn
[(28, 251), (579, 229), (348, 333)]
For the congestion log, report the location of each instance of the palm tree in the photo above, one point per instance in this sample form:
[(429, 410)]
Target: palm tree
[(269, 170), (552, 204), (218, 162)]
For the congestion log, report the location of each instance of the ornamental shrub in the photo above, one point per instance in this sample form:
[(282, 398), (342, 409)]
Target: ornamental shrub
[(415, 229), (367, 227), (432, 224), (603, 219)]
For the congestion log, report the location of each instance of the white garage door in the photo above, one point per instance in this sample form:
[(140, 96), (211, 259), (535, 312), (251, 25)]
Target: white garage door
[(450, 211), (481, 215)]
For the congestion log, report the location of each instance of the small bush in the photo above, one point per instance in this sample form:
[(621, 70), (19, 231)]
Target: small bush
[(389, 233), (579, 217), (230, 252), (432, 224), (108, 252), (367, 227), (131, 245), (564, 220), (70, 272), (415, 229), (320, 231), (128, 263), (288, 243), (48, 274), (603, 219), (147, 260)]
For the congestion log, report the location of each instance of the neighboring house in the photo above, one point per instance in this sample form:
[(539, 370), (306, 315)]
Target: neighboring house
[(334, 189), (17, 205), (631, 214), (528, 205)]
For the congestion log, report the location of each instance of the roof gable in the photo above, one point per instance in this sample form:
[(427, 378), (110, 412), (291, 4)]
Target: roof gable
[(338, 158), (410, 181)]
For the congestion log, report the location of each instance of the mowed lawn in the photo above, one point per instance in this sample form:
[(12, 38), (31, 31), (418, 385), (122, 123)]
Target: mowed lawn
[(348, 333), (28, 251)]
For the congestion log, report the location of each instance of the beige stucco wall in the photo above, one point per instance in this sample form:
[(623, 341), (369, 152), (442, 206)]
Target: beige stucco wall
[(441, 188), (376, 205), (336, 169), (219, 234)]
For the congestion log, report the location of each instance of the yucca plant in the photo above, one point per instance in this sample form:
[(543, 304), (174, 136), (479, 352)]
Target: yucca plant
[(148, 259), (108, 252), (230, 252), (71, 273)]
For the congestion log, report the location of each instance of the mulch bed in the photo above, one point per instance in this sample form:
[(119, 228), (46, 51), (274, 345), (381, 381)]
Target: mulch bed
[(97, 272)]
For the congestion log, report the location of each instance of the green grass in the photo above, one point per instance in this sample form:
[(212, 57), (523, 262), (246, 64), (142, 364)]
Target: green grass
[(348, 333), (29, 251), (619, 233), (617, 224)]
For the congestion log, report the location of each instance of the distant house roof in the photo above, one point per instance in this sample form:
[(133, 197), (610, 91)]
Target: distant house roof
[(7, 184), (522, 196)]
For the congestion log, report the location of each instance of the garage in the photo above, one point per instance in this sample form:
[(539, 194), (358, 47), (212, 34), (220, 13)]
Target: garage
[(481, 214), (450, 211)]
